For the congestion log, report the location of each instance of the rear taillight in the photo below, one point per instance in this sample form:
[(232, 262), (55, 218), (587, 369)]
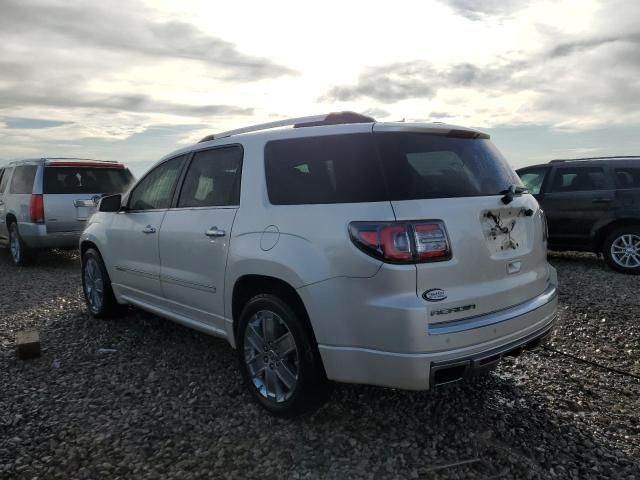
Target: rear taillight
[(402, 242), (36, 209)]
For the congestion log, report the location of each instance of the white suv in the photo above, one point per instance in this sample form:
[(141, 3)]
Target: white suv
[(395, 254)]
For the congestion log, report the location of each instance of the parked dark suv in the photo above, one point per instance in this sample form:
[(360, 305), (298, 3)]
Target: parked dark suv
[(592, 204)]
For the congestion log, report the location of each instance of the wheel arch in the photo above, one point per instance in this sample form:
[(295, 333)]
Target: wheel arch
[(9, 219), (606, 230), (247, 286)]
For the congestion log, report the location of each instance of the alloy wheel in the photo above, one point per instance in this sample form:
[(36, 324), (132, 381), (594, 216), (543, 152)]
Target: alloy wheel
[(271, 356), (625, 250), (14, 244), (93, 284)]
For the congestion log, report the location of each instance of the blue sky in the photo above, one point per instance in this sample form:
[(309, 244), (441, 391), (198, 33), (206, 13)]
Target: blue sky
[(134, 80)]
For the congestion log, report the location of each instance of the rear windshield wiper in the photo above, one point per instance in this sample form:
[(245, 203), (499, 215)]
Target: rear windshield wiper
[(511, 192)]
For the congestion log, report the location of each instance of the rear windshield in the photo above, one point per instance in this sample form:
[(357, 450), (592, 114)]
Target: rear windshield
[(383, 166), (419, 165), (86, 180)]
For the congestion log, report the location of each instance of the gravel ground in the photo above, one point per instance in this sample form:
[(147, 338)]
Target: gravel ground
[(141, 397)]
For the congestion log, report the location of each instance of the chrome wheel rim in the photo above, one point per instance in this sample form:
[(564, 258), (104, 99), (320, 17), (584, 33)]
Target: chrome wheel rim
[(625, 250), (271, 356), (14, 244), (93, 284)]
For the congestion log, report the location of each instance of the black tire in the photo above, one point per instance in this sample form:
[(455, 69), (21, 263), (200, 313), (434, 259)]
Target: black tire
[(618, 237), (93, 269), (21, 254), (311, 386)]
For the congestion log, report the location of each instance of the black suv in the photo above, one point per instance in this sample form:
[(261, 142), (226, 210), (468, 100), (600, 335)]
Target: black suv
[(592, 204)]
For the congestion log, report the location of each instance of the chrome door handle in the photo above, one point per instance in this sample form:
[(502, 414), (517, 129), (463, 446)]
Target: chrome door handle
[(214, 232), (148, 229)]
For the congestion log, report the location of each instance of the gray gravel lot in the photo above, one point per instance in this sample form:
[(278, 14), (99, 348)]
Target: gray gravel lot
[(168, 402)]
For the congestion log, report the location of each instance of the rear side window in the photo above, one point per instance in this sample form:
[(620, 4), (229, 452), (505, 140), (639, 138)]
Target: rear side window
[(4, 179), (155, 190), (625, 177), (327, 169), (23, 177), (533, 179), (86, 180), (420, 165), (578, 179), (213, 179)]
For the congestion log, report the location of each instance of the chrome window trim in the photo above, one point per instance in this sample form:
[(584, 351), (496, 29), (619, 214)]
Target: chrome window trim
[(479, 321)]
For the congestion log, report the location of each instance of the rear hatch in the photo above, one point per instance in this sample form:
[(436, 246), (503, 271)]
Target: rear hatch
[(72, 190), (497, 255)]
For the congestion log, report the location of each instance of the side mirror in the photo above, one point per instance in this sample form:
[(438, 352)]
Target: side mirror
[(112, 203)]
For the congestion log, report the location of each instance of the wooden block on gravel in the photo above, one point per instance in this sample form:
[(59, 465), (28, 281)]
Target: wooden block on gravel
[(28, 345)]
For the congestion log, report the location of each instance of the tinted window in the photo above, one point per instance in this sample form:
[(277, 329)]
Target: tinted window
[(329, 169), (578, 179), (1, 175), (155, 190), (22, 181), (86, 180), (4, 178), (213, 179), (533, 179), (419, 165), (625, 177)]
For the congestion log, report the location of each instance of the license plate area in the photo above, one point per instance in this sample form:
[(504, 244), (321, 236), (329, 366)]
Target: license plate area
[(507, 230), (84, 209)]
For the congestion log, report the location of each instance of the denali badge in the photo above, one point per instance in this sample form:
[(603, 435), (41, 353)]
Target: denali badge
[(434, 295), (447, 311)]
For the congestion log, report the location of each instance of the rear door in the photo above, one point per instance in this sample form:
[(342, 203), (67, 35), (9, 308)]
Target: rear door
[(72, 190), (498, 256), (195, 236), (578, 200), (133, 235)]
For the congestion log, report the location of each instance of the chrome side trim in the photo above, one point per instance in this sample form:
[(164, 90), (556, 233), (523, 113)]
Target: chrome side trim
[(184, 283), (84, 203), (137, 272), (483, 320)]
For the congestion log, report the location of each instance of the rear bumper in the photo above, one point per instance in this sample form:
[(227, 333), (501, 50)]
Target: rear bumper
[(36, 236), (454, 355)]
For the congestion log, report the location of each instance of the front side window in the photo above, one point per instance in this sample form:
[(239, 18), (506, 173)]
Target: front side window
[(533, 179), (23, 177), (578, 179), (213, 179), (625, 177), (156, 189)]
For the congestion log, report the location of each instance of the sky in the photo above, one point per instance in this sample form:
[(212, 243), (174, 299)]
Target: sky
[(133, 80)]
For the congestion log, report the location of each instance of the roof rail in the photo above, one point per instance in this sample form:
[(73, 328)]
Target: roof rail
[(311, 121), (613, 157)]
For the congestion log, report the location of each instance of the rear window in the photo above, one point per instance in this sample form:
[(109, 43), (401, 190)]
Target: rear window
[(23, 177), (627, 177), (72, 180), (420, 165), (328, 169)]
